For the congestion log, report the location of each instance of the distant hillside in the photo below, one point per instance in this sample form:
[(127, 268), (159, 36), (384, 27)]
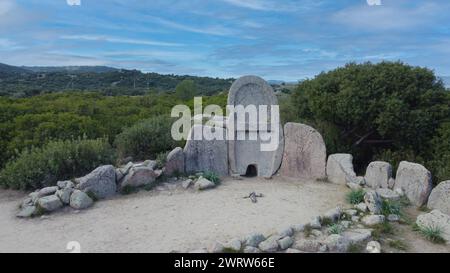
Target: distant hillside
[(71, 69), (29, 81), (4, 68)]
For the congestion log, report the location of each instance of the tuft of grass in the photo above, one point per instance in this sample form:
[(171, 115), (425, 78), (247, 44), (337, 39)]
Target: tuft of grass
[(379, 230), (211, 176), (355, 248), (326, 221), (355, 196), (161, 159), (391, 207), (398, 244), (307, 230), (336, 229), (92, 195), (431, 233), (424, 209)]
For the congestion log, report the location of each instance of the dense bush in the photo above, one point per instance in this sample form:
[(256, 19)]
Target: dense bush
[(146, 139), (388, 111), (57, 160)]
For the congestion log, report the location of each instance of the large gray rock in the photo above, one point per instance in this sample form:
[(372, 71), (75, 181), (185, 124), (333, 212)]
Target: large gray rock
[(101, 182), (388, 194), (80, 200), (174, 162), (307, 245), (378, 174), (203, 153), (336, 243), (270, 244), (253, 146), (49, 203), (285, 242), (254, 239), (340, 169), (436, 219), (140, 176), (47, 191), (415, 181), (333, 214), (251, 249), (304, 154), (357, 236), (203, 184), (372, 220), (65, 184), (373, 201), (26, 211), (440, 197), (234, 245), (64, 194)]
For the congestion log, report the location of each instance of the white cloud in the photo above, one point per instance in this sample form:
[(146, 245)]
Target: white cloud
[(74, 2), (101, 38)]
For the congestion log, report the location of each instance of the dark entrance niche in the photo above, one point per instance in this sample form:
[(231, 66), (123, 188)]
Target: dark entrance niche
[(251, 171)]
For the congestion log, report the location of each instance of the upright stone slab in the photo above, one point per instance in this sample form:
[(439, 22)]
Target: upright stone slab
[(246, 152), (340, 168), (204, 153), (101, 182), (415, 181), (304, 152), (378, 174), (440, 197), (174, 162)]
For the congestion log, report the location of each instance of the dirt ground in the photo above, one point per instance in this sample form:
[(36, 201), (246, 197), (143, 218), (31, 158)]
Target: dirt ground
[(167, 220)]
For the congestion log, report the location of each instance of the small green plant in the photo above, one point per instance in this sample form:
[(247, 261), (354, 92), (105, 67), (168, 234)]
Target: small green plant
[(161, 159), (398, 244), (326, 221), (355, 196), (432, 234), (390, 207), (307, 230), (211, 176), (336, 229), (382, 229), (355, 248)]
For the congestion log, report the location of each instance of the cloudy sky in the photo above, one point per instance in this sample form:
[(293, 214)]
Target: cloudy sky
[(275, 39)]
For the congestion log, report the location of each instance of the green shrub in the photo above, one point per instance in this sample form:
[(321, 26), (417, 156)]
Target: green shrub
[(431, 233), (58, 160), (336, 228), (355, 196), (391, 207), (161, 159), (211, 176), (146, 139)]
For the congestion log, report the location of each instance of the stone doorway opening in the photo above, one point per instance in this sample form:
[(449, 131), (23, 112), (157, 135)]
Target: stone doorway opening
[(252, 171)]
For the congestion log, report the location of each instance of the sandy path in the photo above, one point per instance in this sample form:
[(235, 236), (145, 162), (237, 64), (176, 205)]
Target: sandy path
[(162, 221)]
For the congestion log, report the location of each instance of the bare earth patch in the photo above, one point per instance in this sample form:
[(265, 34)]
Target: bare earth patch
[(167, 220)]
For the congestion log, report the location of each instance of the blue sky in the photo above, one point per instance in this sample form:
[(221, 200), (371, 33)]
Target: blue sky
[(284, 40)]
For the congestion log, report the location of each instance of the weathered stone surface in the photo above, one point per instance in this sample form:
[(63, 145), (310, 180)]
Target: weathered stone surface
[(393, 218), (285, 242), (440, 197), (47, 191), (251, 249), (415, 181), (285, 231), (216, 247), (307, 245), (187, 183), (388, 194), (270, 244), (356, 236), (351, 212), (298, 227), (254, 239), (234, 245), (354, 186), (373, 201), (372, 220), (203, 184), (340, 168), (204, 153), (391, 183), (333, 214), (373, 247), (436, 219), (174, 162), (336, 243), (361, 207), (378, 174), (315, 223), (26, 211), (64, 195), (293, 250), (253, 145), (139, 176), (80, 200), (101, 182), (65, 184), (49, 203), (304, 152)]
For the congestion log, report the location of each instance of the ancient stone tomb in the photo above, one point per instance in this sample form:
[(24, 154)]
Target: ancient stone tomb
[(254, 142)]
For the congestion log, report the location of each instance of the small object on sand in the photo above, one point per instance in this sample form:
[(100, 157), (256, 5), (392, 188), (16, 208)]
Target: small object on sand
[(253, 196)]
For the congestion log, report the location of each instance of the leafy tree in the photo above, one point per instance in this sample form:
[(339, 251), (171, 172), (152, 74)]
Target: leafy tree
[(370, 108), (186, 90)]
